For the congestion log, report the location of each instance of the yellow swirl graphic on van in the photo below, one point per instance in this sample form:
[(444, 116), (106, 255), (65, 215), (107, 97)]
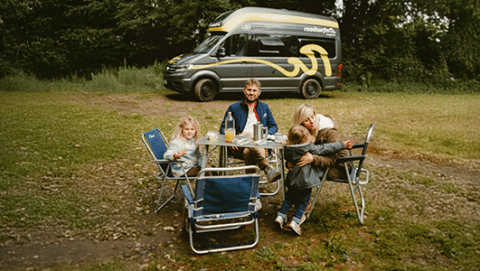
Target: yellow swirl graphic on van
[(308, 50), (175, 58)]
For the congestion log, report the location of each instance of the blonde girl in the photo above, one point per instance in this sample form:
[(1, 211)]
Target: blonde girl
[(182, 145)]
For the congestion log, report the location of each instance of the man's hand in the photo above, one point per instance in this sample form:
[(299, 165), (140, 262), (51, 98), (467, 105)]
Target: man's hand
[(306, 159)]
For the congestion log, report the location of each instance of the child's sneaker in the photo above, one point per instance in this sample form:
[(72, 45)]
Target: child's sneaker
[(304, 217), (280, 221), (258, 205), (295, 227)]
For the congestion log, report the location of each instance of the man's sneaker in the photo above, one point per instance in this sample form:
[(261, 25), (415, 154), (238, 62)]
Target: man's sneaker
[(272, 174), (280, 221), (295, 227), (258, 205)]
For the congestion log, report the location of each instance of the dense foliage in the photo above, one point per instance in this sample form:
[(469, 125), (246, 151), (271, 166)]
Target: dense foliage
[(431, 41)]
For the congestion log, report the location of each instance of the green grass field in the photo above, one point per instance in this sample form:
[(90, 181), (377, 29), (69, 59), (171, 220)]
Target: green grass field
[(49, 144)]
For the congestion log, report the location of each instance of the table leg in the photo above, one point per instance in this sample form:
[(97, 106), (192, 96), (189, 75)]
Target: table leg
[(205, 157), (282, 173)]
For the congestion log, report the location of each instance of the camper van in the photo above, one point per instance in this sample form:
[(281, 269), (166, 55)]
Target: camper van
[(286, 50)]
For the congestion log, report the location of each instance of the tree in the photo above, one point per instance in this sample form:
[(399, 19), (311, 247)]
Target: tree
[(461, 43), (144, 28), (189, 20), (51, 38)]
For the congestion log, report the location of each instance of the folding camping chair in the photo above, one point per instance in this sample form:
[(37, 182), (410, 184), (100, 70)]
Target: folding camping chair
[(273, 159), (157, 144), (354, 179), (225, 202)]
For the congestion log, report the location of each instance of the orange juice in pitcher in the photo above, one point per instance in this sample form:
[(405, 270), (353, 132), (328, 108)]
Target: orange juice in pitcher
[(229, 135)]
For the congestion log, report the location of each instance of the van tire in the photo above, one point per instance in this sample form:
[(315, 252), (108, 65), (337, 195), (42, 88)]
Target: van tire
[(311, 89), (205, 90)]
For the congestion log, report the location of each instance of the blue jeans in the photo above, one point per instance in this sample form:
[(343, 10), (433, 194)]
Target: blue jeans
[(298, 197)]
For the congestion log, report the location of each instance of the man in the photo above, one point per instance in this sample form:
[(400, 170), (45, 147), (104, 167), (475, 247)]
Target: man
[(246, 113)]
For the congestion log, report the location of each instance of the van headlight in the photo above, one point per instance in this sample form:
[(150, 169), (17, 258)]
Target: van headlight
[(182, 68)]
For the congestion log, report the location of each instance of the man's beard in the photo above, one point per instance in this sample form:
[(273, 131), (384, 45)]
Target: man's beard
[(250, 101)]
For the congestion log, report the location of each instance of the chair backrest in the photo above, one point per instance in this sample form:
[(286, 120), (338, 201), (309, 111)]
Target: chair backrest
[(226, 194), (156, 143), (367, 138), (365, 147)]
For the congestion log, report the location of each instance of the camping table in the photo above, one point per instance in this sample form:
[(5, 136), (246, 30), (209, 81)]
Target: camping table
[(266, 144)]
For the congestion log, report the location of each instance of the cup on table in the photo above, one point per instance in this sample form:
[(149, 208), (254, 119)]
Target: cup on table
[(279, 137), (212, 136)]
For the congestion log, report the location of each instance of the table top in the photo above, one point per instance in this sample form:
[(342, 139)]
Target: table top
[(243, 141)]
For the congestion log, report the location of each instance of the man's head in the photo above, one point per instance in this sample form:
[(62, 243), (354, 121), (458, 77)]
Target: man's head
[(252, 90)]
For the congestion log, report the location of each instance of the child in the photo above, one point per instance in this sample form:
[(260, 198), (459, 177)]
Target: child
[(183, 146), (301, 180)]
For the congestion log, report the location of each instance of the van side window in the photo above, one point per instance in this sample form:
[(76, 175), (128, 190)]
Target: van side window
[(327, 44), (272, 45), (236, 45)]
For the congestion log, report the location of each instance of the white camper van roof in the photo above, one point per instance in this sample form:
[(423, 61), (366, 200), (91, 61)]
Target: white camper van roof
[(228, 21)]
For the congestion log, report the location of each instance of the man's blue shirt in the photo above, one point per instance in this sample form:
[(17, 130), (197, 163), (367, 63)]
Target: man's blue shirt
[(240, 115)]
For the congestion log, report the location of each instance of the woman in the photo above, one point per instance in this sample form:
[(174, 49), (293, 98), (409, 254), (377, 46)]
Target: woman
[(324, 130)]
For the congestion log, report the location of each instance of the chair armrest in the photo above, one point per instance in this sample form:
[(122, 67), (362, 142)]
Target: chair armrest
[(162, 161), (181, 160), (349, 158), (187, 194), (358, 145)]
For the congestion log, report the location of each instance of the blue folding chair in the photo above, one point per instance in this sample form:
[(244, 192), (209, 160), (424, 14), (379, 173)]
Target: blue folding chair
[(354, 177), (273, 159), (225, 202), (157, 145)]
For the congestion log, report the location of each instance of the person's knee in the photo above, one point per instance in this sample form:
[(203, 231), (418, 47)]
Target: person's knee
[(246, 152)]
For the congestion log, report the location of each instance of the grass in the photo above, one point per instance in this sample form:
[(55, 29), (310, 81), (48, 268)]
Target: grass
[(45, 145), (53, 149)]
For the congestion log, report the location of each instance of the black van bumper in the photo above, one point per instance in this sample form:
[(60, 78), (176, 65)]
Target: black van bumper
[(178, 85), (333, 83)]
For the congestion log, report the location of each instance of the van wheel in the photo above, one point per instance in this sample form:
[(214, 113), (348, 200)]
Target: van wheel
[(205, 90), (311, 89)]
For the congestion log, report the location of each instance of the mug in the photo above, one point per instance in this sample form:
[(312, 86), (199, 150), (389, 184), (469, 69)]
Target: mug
[(279, 137), (259, 131)]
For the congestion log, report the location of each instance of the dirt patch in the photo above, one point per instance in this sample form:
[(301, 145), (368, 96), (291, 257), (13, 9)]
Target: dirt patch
[(137, 236)]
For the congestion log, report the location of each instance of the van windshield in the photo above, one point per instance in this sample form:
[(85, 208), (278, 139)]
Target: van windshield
[(208, 43)]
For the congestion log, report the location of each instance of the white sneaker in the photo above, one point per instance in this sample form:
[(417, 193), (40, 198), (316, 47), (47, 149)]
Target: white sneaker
[(295, 227), (304, 217), (280, 221), (258, 205)]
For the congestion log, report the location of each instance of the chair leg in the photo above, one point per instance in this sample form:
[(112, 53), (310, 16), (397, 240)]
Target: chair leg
[(319, 188), (354, 186), (159, 207), (192, 232), (271, 193)]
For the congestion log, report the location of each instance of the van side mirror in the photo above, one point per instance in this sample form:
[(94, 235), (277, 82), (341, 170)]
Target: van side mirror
[(221, 52)]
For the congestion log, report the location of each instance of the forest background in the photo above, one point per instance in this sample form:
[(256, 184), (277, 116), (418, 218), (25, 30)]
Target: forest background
[(435, 42)]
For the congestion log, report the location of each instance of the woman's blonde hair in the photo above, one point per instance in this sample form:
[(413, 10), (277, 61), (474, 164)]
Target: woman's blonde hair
[(177, 134), (302, 113)]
